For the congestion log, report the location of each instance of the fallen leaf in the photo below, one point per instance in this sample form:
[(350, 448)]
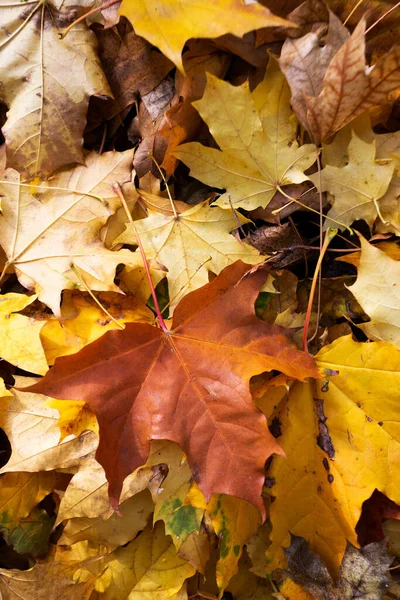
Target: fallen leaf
[(20, 493), (75, 417), (146, 567), (208, 358), (48, 581), (47, 99), (116, 530), (49, 227), (377, 290), (234, 521), (341, 443), (169, 25), (179, 520), (305, 60), (32, 429), (356, 187), (363, 572), (32, 534), (86, 495), (130, 63), (83, 321), (350, 87), (247, 586), (391, 249), (20, 335), (256, 136), (201, 235), (181, 121)]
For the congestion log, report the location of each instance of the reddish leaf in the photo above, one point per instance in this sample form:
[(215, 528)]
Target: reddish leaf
[(190, 386)]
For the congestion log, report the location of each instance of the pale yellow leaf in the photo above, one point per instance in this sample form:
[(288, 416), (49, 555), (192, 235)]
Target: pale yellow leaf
[(32, 429), (47, 228), (20, 335)]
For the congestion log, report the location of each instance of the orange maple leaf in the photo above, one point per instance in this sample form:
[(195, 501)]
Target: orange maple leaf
[(189, 385)]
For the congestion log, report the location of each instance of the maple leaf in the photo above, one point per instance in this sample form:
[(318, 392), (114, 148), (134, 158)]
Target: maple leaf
[(377, 290), (20, 335), (234, 521), (114, 531), (32, 429), (356, 187), (348, 89), (362, 572), (146, 567), (256, 135), (47, 99), (341, 442), (46, 237), (190, 244), (216, 344), (51, 581), (170, 24), (86, 494), (20, 493), (83, 321), (180, 520)]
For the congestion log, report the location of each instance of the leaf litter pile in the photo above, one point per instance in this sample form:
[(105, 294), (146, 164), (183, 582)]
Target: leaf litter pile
[(200, 305)]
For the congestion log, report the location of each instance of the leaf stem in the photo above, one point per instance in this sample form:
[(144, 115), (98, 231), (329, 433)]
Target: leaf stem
[(382, 17), (329, 235), (278, 210), (74, 269), (166, 184), (83, 17), (117, 189)]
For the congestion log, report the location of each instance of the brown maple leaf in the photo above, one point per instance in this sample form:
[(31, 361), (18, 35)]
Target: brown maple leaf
[(189, 385)]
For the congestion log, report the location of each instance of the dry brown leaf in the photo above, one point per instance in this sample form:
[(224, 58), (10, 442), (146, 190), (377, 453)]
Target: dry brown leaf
[(349, 87)]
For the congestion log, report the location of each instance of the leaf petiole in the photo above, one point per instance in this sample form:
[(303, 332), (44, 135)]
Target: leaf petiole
[(329, 235), (117, 189), (83, 17)]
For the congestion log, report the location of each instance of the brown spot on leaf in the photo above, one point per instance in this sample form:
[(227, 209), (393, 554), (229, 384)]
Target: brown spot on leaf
[(323, 439)]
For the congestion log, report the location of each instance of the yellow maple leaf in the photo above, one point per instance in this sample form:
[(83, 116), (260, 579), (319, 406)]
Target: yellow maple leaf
[(357, 186), (32, 429), (342, 442), (191, 244), (234, 521), (377, 290), (20, 335), (257, 137), (170, 23), (87, 493), (83, 321), (147, 567), (52, 237), (20, 493), (114, 531)]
